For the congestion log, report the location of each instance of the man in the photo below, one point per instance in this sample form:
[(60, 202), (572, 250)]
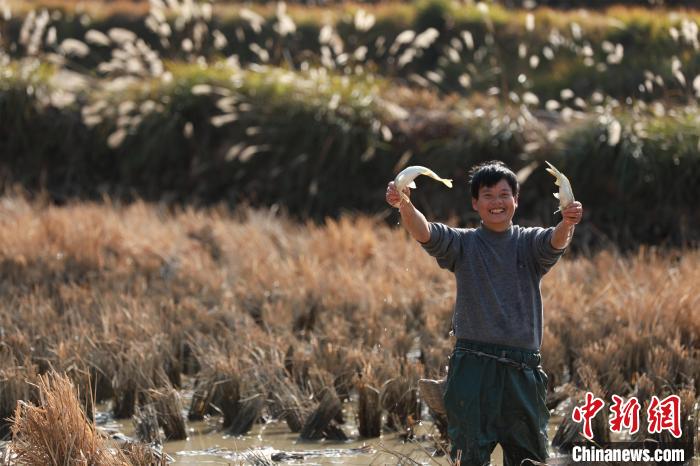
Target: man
[(496, 388)]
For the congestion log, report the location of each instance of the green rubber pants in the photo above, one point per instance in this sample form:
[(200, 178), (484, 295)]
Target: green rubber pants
[(492, 401)]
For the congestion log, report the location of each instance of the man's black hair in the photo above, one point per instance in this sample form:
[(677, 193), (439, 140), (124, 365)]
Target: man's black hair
[(490, 173)]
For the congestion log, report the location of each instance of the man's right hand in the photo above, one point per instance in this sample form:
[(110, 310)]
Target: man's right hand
[(411, 218), (393, 198)]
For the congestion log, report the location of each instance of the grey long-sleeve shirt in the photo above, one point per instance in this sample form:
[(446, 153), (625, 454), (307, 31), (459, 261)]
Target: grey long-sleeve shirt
[(498, 281)]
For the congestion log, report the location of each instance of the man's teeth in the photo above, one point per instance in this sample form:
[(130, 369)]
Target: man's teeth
[(497, 211)]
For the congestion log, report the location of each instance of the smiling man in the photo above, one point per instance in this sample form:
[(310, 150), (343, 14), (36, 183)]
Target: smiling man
[(496, 388)]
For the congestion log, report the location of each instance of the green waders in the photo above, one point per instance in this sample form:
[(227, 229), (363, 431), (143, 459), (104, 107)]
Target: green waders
[(496, 394)]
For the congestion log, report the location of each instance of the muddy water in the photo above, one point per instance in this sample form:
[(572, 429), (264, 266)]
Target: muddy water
[(274, 439), (216, 449), (207, 446)]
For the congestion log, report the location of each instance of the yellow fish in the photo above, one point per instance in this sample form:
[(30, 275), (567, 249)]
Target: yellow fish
[(565, 194), (408, 174)]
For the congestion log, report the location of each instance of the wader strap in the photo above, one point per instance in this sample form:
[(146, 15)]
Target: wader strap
[(502, 359)]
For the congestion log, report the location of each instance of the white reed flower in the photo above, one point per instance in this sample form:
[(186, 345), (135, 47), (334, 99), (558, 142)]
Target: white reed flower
[(219, 39), (221, 120), (202, 89), (426, 38), (74, 47), (188, 130), (530, 98), (403, 38), (534, 61), (614, 132), (530, 22), (360, 53), (260, 52), (468, 39), (363, 20), (284, 25), (96, 37), (576, 31), (452, 54), (552, 105), (406, 57), (116, 138), (617, 54), (434, 76), (254, 20), (121, 35), (522, 50)]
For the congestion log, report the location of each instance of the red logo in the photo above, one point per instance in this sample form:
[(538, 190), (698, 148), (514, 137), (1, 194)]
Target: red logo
[(661, 415), (587, 412), (665, 415), (624, 415)]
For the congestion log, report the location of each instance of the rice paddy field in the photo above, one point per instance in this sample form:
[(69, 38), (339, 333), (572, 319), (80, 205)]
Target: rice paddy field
[(217, 321), (197, 264)]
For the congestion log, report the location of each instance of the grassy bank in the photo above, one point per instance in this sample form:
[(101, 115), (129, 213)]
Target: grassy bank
[(318, 143), (473, 49), (287, 310)]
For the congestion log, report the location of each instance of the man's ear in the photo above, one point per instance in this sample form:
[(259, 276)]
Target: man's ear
[(516, 199), (474, 203)]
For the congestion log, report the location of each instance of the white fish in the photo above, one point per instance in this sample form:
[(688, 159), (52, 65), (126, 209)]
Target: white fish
[(565, 194), (407, 175)]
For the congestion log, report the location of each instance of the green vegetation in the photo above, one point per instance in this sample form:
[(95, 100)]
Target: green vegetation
[(585, 51), (318, 143)]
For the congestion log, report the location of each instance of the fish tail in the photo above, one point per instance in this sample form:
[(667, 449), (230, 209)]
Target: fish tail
[(552, 169), (448, 183)]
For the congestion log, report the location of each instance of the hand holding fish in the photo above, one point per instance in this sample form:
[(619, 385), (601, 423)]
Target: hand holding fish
[(393, 197), (571, 215), (571, 210)]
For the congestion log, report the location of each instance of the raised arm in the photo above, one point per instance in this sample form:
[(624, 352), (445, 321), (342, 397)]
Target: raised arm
[(564, 231), (411, 218)]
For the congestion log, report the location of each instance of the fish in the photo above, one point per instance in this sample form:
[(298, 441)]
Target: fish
[(405, 178), (565, 194)]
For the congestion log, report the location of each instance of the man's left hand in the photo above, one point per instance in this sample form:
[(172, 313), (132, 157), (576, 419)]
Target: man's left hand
[(572, 214)]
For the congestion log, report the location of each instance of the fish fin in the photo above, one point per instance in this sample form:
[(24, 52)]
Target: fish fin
[(556, 195), (412, 185), (448, 183)]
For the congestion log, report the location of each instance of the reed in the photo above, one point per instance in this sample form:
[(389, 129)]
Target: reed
[(168, 408), (56, 431), (16, 384)]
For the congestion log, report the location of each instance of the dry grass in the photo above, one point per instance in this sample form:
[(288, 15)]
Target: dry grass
[(56, 431), (290, 311)]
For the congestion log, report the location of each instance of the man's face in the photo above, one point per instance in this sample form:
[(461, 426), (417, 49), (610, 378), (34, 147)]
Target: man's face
[(496, 205)]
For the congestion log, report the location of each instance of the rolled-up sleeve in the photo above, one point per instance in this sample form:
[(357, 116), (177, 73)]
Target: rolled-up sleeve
[(544, 253), (443, 245)]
